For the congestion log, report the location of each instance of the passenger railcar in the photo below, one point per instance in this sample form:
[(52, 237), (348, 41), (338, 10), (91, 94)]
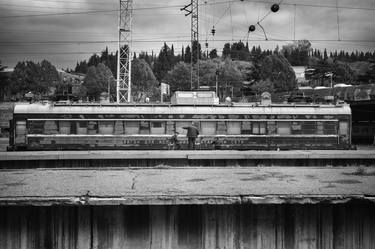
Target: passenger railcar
[(146, 126)]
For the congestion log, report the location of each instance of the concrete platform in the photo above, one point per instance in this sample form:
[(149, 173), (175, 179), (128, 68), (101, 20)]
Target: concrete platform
[(186, 154), (179, 186)]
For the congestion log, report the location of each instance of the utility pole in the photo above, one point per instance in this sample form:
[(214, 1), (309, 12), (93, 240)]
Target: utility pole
[(194, 38), (124, 51)]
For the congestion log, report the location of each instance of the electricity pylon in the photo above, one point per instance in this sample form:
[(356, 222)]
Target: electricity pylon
[(124, 51), (194, 38)]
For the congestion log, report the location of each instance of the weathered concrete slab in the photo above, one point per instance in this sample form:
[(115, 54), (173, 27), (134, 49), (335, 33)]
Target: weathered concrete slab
[(174, 186), (185, 154)]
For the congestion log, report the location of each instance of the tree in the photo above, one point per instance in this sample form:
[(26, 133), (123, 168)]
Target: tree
[(213, 54), (179, 77), (229, 78), (81, 67), (297, 53), (197, 51), (35, 77), (97, 80), (94, 60), (4, 83), (106, 58), (164, 62), (239, 51), (262, 86), (187, 55), (207, 72), (342, 72), (276, 69), (226, 50), (144, 83)]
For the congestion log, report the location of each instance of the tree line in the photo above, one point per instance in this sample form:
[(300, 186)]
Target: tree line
[(239, 70)]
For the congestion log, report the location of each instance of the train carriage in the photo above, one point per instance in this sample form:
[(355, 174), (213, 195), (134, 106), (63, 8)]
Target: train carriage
[(149, 127)]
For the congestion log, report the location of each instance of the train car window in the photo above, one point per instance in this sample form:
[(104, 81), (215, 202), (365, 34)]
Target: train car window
[(208, 128), (144, 128), (92, 127), (344, 128), (234, 128), (246, 127), (36, 127), (50, 127), (64, 127), (119, 127), (82, 127), (308, 127), (259, 127), (319, 128), (106, 127), (179, 126), (131, 127), (20, 132), (283, 128), (329, 128), (157, 127), (170, 127)]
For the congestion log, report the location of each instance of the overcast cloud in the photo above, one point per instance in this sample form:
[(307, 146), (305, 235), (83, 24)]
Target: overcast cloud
[(25, 34)]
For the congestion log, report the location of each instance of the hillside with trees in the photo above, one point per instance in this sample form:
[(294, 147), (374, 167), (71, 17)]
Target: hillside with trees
[(238, 69)]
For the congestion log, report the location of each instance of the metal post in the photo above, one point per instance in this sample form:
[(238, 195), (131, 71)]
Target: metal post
[(195, 37), (217, 82), (109, 89)]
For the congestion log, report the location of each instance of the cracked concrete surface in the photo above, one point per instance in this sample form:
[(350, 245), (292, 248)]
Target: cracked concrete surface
[(185, 185)]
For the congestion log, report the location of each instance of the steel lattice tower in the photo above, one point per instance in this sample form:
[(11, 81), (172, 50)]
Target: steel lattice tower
[(194, 39), (124, 52)]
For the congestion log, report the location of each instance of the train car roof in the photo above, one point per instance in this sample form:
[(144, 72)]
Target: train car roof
[(39, 108)]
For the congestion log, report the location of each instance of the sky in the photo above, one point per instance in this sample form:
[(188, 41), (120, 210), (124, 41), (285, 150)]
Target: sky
[(67, 31)]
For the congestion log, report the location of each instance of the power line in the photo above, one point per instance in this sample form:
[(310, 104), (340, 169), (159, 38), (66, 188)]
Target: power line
[(178, 6), (60, 14), (44, 7), (300, 4), (70, 2), (164, 40)]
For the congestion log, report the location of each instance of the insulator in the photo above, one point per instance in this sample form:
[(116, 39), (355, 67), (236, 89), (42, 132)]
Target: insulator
[(275, 7), (251, 28), (213, 31), (206, 44)]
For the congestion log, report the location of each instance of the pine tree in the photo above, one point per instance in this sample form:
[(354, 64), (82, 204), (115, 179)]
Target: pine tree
[(226, 50), (187, 54)]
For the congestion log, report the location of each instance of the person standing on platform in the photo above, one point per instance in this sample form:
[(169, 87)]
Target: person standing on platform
[(192, 134)]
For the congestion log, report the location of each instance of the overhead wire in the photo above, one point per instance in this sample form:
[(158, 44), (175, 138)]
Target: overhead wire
[(231, 18), (219, 20), (216, 3), (177, 6), (338, 21), (164, 40), (294, 22)]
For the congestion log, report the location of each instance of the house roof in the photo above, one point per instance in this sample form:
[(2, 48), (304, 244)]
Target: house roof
[(179, 186)]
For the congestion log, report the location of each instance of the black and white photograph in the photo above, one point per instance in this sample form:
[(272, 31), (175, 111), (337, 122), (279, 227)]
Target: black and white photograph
[(187, 124)]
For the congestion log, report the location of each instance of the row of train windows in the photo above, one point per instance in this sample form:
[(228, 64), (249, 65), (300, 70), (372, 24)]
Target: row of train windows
[(205, 127)]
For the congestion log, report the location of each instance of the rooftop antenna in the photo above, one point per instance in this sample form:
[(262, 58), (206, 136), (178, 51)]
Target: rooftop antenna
[(124, 52)]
